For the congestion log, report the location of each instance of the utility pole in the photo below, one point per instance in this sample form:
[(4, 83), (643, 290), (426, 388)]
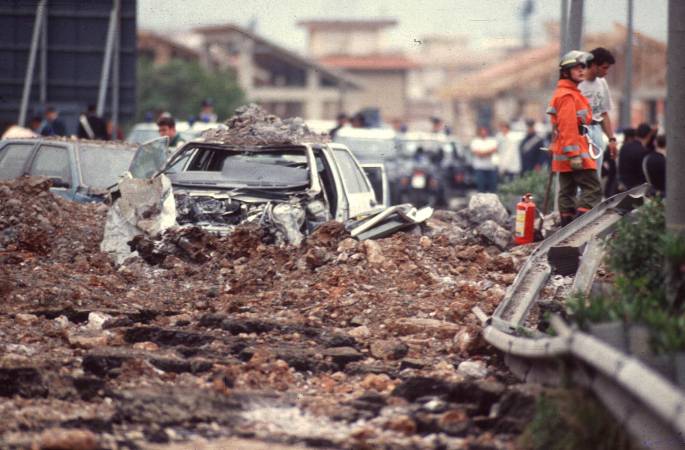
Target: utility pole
[(675, 111), (563, 29), (575, 25), (626, 104)]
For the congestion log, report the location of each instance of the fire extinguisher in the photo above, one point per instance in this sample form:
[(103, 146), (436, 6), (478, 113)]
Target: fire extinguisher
[(525, 220)]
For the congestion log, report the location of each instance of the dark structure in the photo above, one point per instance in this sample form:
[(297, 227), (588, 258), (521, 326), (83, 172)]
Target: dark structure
[(68, 54)]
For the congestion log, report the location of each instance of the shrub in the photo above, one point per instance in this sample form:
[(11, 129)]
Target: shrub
[(531, 182)]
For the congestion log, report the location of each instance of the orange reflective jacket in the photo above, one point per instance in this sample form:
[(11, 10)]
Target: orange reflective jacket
[(569, 109)]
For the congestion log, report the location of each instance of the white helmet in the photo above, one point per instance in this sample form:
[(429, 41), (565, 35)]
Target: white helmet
[(573, 58)]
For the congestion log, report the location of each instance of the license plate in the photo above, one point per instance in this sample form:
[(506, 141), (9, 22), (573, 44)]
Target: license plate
[(418, 181)]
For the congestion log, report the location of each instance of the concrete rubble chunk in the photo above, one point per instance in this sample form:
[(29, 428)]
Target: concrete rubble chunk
[(494, 233), (474, 369), (374, 253), (428, 326), (484, 207), (67, 439)]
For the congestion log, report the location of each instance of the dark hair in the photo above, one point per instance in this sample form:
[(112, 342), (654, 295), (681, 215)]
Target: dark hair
[(661, 141), (50, 109), (629, 133), (600, 56), (643, 130), (341, 116), (166, 121), (91, 108)]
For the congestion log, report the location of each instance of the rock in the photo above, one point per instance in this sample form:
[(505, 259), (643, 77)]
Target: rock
[(88, 339), (316, 257), (463, 340), (96, 320), (343, 355), (425, 242), (415, 387), (428, 326), (62, 321), (63, 439), (412, 363), (347, 245), (474, 369), (483, 207), (377, 382), (146, 346), (454, 422), (374, 254), (388, 349), (494, 233), (25, 319), (361, 332), (401, 424)]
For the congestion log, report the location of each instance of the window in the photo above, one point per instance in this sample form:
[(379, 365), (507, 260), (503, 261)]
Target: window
[(12, 160), (52, 162), (352, 176), (101, 165)]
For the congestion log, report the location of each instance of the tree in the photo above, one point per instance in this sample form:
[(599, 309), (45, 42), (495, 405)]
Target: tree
[(180, 86)]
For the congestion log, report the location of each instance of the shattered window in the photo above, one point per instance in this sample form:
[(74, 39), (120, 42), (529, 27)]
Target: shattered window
[(52, 162), (12, 160), (352, 176), (102, 165)]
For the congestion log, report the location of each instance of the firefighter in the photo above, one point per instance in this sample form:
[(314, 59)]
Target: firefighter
[(569, 111)]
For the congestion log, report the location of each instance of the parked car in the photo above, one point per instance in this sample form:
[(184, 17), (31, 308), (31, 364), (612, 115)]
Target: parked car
[(291, 187), (81, 170)]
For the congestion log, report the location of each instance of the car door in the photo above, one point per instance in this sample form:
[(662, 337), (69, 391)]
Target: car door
[(358, 190), (14, 157), (54, 161)]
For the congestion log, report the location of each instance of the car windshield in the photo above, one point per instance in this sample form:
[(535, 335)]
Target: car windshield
[(369, 149), (101, 165), (261, 168)]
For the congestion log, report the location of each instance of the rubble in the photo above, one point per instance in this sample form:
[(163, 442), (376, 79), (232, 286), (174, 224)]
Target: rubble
[(335, 343), (251, 125)]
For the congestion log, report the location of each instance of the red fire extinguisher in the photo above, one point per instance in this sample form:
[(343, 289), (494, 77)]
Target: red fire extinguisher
[(525, 220)]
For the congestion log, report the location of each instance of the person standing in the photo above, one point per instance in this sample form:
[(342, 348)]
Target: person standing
[(483, 149), (92, 126), (630, 173), (207, 114), (568, 110), (654, 166), (340, 121), (532, 155), (166, 125), (596, 90), (52, 125), (508, 154)]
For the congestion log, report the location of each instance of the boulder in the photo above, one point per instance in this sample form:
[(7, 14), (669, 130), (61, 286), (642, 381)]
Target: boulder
[(494, 233), (483, 207)]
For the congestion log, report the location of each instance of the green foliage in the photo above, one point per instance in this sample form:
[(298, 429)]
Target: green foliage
[(636, 249), (595, 310), (573, 420), (180, 86), (531, 182)]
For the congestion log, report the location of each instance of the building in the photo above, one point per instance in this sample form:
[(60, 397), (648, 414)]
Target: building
[(361, 48), (161, 49), (281, 81), (521, 84)]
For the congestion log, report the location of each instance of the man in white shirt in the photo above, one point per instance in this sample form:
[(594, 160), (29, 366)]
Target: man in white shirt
[(596, 90), (483, 149), (508, 152)]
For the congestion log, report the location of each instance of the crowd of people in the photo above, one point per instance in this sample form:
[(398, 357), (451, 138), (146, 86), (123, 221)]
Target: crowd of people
[(579, 113)]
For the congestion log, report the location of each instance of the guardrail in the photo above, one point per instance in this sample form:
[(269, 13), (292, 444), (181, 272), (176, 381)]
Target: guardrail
[(646, 403)]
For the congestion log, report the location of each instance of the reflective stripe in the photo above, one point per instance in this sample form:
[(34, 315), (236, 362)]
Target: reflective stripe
[(582, 113), (566, 158), (551, 110), (570, 148)]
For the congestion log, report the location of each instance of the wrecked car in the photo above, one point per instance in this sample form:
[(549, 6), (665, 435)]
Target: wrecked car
[(80, 170)]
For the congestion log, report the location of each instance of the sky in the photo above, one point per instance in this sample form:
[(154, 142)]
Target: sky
[(480, 20)]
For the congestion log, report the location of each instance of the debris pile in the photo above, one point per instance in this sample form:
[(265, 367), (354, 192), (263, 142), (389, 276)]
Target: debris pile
[(251, 125), (337, 342)]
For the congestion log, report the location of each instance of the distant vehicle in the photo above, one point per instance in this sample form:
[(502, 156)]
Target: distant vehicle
[(376, 150), (80, 170)]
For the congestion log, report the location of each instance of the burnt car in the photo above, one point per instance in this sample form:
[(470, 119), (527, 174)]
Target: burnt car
[(80, 170), (290, 188)]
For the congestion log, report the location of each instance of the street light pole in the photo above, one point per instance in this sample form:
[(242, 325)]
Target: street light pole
[(575, 25), (563, 29), (675, 111), (626, 105)]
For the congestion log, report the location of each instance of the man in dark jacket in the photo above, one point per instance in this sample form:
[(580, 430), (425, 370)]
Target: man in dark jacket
[(532, 155), (52, 125), (91, 126), (630, 173)]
